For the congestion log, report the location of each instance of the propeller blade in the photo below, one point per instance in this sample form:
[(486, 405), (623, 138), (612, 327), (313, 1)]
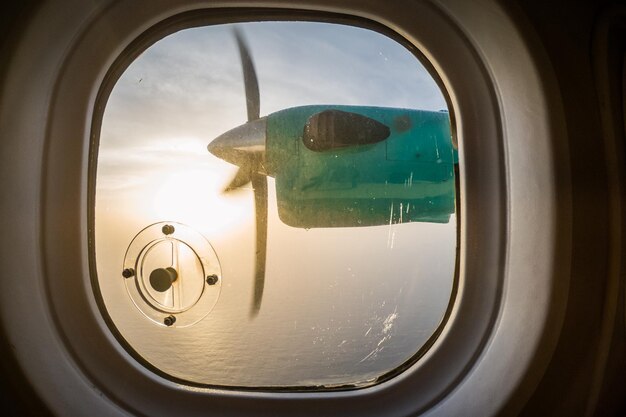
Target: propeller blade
[(242, 177), (251, 172), (259, 184), (251, 83)]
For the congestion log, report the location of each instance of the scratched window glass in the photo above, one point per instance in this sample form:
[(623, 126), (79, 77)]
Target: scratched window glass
[(275, 206)]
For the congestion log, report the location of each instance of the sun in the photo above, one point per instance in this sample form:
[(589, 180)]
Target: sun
[(195, 196)]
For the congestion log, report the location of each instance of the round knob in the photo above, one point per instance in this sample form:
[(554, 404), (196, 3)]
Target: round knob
[(161, 278)]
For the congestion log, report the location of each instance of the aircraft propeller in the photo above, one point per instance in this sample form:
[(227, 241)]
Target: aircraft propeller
[(250, 161)]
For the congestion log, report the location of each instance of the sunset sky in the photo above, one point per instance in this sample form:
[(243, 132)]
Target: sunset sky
[(325, 287)]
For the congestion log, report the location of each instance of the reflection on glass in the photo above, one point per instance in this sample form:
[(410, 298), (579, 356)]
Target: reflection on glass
[(336, 235)]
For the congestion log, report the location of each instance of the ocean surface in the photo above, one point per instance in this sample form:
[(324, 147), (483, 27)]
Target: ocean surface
[(341, 306)]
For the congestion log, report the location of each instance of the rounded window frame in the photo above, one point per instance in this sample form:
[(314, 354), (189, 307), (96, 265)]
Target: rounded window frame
[(201, 18), (493, 240), (489, 186)]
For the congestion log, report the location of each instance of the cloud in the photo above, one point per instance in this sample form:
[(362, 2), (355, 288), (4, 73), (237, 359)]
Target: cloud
[(318, 63), (188, 88), (191, 81)]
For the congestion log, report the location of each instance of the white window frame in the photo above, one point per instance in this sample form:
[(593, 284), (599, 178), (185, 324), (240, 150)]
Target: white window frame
[(515, 190)]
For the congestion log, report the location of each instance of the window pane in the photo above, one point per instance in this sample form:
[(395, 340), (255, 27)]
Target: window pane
[(354, 145)]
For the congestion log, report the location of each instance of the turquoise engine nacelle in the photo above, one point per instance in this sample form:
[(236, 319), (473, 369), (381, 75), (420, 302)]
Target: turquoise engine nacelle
[(356, 166)]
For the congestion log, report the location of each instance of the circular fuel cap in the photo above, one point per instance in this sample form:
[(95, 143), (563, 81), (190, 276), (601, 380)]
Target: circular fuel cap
[(171, 262)]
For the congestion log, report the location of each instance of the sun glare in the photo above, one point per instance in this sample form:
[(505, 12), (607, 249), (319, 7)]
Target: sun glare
[(195, 197)]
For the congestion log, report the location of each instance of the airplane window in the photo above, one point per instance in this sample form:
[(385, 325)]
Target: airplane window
[(275, 206)]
